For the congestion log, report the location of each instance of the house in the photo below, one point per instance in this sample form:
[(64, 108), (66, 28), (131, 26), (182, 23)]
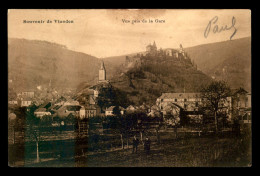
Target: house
[(109, 111), (64, 111), (89, 95), (29, 94), (241, 105), (186, 101), (41, 112), (92, 100), (45, 105), (13, 102), (189, 103), (24, 102), (92, 111), (55, 107), (95, 93), (60, 101), (131, 109), (73, 108), (241, 98), (82, 112), (71, 102), (171, 109)]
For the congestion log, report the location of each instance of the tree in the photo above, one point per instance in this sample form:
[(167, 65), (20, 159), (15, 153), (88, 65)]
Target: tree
[(105, 97), (172, 117), (33, 129), (214, 96), (46, 120), (116, 111), (120, 123)]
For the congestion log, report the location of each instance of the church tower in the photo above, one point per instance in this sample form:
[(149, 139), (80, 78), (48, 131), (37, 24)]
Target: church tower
[(154, 46), (102, 73)]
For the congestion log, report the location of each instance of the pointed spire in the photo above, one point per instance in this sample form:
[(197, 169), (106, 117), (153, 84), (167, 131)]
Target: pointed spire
[(102, 66), (154, 43)]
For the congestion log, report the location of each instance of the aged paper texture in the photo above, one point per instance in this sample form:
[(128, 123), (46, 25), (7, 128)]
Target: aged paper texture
[(129, 88)]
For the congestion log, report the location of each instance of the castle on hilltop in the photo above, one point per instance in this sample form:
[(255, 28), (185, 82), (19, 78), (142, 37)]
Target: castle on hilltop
[(151, 50), (152, 53)]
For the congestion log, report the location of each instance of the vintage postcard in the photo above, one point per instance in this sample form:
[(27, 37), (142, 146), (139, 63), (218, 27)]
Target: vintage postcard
[(129, 88)]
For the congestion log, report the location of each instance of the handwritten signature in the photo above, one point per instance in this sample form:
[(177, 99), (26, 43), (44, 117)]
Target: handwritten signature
[(218, 29)]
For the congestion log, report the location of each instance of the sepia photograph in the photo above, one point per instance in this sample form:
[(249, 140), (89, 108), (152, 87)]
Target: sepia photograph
[(129, 88)]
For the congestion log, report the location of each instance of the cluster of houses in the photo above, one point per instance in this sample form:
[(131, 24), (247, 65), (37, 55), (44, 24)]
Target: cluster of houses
[(37, 96), (236, 106), (23, 99)]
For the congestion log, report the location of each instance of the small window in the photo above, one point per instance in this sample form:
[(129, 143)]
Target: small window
[(175, 99), (185, 99), (196, 104)]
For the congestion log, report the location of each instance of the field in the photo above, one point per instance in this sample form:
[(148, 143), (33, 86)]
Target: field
[(224, 150)]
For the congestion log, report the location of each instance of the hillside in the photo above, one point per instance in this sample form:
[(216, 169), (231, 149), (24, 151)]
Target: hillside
[(32, 63), (114, 64), (144, 84), (228, 60)]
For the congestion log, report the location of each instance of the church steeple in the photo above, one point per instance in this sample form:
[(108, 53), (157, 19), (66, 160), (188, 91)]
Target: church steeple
[(102, 66), (102, 73), (154, 44)]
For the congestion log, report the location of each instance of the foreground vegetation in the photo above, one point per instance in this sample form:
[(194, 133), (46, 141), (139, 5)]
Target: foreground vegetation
[(221, 151)]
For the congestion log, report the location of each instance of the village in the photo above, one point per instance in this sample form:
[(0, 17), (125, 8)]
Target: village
[(176, 111), (64, 103)]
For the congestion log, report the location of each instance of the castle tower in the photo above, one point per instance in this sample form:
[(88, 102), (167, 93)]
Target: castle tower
[(149, 48), (102, 73), (181, 49)]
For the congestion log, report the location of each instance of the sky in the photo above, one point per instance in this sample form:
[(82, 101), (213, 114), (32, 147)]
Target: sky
[(102, 33)]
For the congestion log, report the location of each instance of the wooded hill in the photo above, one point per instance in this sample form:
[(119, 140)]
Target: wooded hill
[(32, 63), (145, 83), (228, 60)]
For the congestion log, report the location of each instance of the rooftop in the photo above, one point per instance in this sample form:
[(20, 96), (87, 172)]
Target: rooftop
[(112, 107), (40, 110), (26, 99), (45, 105), (179, 95), (91, 107), (73, 107)]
